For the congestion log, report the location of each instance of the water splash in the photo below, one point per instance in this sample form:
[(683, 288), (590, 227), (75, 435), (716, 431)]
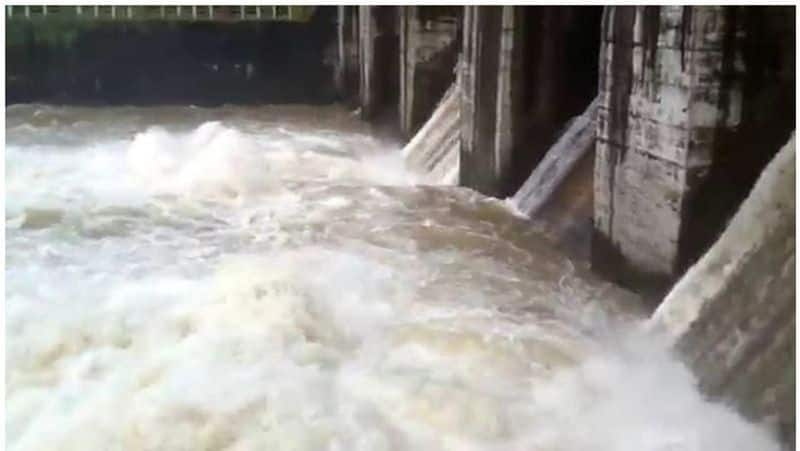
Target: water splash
[(263, 287)]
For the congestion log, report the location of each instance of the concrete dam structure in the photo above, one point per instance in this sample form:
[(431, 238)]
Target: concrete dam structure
[(674, 129), (663, 131), (401, 227)]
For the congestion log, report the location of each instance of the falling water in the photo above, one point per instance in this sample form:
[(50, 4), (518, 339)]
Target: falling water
[(272, 278), (433, 152)]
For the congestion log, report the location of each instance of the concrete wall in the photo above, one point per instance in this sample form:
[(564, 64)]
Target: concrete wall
[(677, 106), (733, 314), (695, 101)]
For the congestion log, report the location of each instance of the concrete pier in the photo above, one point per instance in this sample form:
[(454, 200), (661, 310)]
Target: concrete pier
[(692, 103), (378, 56), (368, 85), (487, 133), (673, 96), (347, 74), (684, 94)]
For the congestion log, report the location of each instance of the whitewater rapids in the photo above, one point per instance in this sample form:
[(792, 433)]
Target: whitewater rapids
[(272, 278)]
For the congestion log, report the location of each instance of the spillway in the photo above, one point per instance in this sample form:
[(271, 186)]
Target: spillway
[(432, 153), (273, 278)]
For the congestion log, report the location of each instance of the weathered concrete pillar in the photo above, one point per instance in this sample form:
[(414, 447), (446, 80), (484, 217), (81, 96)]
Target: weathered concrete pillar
[(341, 56), (347, 67), (366, 55), (509, 122), (671, 86), (409, 31), (354, 82), (378, 60), (490, 108), (429, 48)]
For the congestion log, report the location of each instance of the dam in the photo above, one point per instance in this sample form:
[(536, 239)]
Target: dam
[(400, 228)]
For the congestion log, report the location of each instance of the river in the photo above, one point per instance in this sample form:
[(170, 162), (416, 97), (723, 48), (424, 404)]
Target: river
[(243, 278)]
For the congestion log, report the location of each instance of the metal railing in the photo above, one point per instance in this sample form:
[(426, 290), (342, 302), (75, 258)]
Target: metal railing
[(160, 13)]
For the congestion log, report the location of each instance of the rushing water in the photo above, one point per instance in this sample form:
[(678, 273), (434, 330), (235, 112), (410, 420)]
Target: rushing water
[(271, 278)]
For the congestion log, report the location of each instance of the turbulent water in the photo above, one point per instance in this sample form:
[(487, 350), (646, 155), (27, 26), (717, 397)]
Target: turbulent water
[(271, 278)]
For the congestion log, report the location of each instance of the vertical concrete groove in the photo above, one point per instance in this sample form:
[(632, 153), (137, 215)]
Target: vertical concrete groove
[(651, 25), (366, 58), (686, 29), (503, 133)]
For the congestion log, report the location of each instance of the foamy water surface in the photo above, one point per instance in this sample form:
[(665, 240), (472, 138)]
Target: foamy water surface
[(272, 278)]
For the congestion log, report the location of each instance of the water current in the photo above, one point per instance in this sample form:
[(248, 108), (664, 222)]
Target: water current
[(272, 278)]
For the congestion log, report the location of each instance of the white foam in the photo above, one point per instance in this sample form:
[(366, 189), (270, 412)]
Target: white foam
[(210, 160), (279, 321), (312, 349)]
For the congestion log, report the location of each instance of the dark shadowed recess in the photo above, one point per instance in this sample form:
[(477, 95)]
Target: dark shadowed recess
[(171, 62), (560, 71), (767, 121)]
